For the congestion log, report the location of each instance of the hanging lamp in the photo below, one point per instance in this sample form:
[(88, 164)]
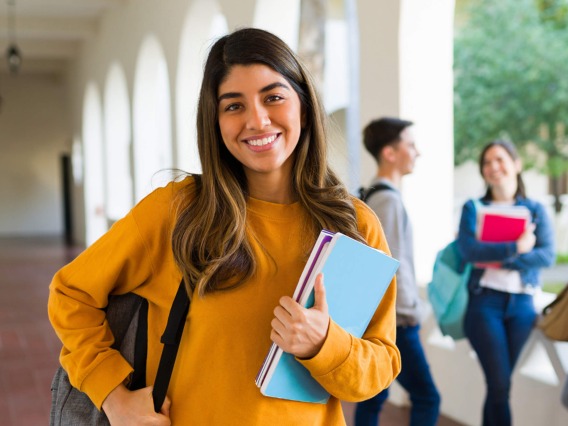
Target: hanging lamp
[(13, 53)]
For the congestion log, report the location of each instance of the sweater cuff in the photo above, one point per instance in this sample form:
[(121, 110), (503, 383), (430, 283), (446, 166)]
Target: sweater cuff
[(110, 373), (334, 352)]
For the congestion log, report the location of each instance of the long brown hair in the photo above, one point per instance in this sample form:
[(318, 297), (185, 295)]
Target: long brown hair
[(209, 240)]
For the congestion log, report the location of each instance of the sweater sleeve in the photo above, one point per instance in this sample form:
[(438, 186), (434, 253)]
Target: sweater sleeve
[(355, 369), (121, 261)]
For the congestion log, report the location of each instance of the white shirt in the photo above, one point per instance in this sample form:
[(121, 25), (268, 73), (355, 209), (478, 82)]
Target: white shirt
[(505, 280)]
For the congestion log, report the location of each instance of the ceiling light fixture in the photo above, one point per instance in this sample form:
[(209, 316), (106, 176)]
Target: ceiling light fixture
[(13, 54), (14, 58)]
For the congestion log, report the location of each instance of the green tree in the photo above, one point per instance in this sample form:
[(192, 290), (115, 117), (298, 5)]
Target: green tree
[(511, 68)]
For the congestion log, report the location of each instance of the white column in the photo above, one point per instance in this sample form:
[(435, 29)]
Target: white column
[(379, 68), (426, 97), (406, 71)]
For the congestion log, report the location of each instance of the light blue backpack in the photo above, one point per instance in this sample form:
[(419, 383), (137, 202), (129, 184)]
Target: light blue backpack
[(447, 292)]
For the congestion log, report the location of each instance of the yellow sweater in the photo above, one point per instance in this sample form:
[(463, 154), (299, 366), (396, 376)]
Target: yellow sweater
[(227, 334)]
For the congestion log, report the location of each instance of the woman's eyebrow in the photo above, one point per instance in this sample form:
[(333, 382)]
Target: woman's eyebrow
[(274, 86), (232, 95), (229, 95)]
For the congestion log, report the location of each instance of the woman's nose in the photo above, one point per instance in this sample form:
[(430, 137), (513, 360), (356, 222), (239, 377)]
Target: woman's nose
[(257, 117), (493, 165)]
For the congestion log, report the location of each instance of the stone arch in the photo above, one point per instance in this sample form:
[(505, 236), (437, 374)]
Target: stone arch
[(95, 219), (204, 23), (151, 118), (119, 191)]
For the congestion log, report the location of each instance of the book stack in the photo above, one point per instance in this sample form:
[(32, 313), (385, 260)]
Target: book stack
[(356, 277)]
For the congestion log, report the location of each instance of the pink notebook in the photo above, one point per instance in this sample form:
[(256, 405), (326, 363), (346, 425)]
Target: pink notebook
[(500, 224), (499, 228)]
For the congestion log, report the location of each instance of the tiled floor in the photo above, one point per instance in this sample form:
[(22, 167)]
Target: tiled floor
[(29, 348)]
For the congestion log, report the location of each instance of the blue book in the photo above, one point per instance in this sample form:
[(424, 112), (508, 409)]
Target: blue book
[(356, 278)]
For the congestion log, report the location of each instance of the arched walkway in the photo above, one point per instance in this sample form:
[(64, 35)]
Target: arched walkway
[(119, 192), (93, 165), (204, 23), (152, 118)]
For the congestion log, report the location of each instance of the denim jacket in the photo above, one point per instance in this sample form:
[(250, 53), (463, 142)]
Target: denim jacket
[(528, 264)]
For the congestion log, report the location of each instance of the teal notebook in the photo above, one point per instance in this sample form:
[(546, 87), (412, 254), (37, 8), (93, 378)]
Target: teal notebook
[(356, 277)]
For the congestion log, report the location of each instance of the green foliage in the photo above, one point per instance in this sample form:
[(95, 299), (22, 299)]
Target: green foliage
[(553, 12), (557, 166), (510, 68), (554, 288)]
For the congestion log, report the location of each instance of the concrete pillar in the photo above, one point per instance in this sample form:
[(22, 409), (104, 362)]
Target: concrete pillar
[(406, 71), (311, 41)]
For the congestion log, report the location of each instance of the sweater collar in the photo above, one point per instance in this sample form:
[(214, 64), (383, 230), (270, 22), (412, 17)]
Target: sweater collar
[(274, 210)]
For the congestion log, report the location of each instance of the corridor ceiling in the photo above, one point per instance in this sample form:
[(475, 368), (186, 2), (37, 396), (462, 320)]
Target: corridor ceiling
[(49, 33)]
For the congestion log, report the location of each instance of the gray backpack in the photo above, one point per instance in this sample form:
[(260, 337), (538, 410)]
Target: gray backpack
[(127, 316)]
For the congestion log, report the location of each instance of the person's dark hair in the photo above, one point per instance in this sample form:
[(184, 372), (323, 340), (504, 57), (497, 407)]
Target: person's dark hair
[(209, 240), (513, 153), (383, 132)]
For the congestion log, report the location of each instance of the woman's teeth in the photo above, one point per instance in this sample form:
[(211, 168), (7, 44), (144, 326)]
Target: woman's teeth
[(261, 142)]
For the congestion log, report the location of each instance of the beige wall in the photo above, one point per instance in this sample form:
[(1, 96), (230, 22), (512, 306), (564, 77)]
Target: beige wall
[(34, 132)]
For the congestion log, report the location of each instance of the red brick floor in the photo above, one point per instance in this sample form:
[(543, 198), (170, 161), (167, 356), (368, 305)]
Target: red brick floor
[(28, 346), (29, 349)]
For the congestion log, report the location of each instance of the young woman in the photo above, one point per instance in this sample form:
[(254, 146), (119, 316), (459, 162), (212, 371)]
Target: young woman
[(500, 313), (240, 234)]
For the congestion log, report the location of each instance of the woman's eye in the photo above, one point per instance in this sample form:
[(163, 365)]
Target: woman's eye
[(274, 98), (231, 107)]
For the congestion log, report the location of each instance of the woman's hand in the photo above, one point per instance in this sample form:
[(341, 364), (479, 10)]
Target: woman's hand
[(298, 330), (526, 241), (125, 407)]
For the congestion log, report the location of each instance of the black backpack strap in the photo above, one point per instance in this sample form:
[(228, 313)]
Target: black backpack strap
[(140, 348), (171, 339), (365, 193)]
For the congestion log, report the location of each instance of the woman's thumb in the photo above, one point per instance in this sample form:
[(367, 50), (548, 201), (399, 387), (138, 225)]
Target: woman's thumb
[(320, 302)]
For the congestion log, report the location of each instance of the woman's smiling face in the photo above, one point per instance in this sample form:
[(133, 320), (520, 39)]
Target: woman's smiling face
[(498, 168), (260, 118)]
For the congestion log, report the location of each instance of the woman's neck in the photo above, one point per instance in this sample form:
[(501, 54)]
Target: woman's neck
[(504, 193), (272, 188)]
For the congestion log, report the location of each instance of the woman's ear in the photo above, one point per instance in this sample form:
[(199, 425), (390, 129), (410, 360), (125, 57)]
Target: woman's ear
[(518, 165)]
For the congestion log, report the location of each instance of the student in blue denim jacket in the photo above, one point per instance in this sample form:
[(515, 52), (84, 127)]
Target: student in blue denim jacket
[(500, 313)]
